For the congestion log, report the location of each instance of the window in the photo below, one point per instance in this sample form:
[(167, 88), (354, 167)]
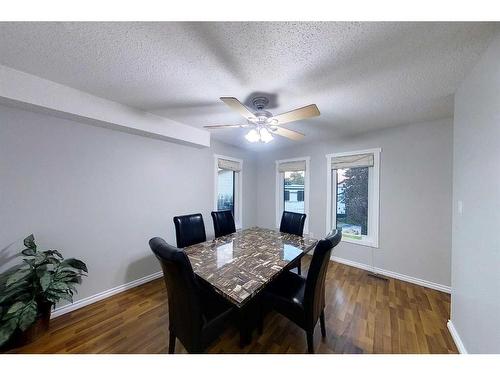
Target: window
[(225, 191), (292, 185), (228, 187), (353, 195)]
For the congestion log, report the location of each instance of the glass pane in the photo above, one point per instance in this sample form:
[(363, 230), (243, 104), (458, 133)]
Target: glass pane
[(352, 201), (294, 191), (225, 190)]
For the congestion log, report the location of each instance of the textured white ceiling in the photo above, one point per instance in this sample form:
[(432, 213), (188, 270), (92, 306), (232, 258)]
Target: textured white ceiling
[(362, 76)]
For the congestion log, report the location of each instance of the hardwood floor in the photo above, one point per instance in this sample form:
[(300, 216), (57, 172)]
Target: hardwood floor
[(363, 315)]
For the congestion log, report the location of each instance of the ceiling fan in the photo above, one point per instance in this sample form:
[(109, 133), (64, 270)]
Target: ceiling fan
[(262, 123)]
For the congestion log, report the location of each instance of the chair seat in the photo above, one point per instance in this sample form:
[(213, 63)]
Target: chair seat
[(286, 295)]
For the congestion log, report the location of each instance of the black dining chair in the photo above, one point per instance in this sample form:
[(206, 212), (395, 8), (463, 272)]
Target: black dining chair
[(196, 314), (293, 223), (189, 230), (223, 223), (300, 299)]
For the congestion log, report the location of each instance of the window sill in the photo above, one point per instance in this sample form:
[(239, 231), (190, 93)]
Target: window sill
[(362, 242)]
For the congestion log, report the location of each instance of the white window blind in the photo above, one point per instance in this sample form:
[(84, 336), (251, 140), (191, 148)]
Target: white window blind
[(352, 161), (292, 166), (229, 165)]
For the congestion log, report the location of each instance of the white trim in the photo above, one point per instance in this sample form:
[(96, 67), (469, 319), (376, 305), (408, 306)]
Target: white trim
[(356, 152), (373, 198), (395, 275), (103, 295), (238, 200), (363, 242), (279, 190), (456, 338)]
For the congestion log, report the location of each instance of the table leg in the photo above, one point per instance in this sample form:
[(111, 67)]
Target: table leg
[(245, 326), (249, 317)]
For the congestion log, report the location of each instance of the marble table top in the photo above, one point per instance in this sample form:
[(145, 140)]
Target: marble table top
[(240, 264)]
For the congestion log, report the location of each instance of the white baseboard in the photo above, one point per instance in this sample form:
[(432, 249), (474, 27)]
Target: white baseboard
[(102, 295), (121, 288), (456, 338), (395, 275)]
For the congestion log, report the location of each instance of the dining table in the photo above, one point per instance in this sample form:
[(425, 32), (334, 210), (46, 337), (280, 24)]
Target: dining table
[(240, 265)]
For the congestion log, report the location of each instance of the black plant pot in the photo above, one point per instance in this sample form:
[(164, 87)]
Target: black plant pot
[(37, 329)]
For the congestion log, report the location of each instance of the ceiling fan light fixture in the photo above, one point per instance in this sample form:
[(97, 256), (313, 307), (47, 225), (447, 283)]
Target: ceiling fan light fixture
[(252, 136), (265, 135)]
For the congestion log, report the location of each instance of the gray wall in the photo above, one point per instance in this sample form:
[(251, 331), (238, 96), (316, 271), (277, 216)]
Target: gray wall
[(100, 195), (415, 197), (476, 183)]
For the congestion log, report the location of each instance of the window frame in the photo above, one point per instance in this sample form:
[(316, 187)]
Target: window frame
[(237, 189), (372, 239), (280, 190)]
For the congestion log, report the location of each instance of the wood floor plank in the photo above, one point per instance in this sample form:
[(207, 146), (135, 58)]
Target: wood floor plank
[(363, 315)]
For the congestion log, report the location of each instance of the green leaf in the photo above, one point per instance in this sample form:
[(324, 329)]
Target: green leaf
[(75, 263), (54, 296), (61, 274), (6, 330), (15, 295), (43, 269), (54, 252), (30, 262), (16, 307), (40, 258), (21, 284), (45, 281), (58, 286), (28, 315), (53, 260), (28, 252), (29, 242), (71, 279), (16, 276)]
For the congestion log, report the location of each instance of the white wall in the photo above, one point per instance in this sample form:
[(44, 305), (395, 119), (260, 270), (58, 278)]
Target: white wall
[(415, 197), (100, 195), (475, 284)]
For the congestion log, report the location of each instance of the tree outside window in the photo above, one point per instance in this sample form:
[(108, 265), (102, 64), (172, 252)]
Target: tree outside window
[(352, 201)]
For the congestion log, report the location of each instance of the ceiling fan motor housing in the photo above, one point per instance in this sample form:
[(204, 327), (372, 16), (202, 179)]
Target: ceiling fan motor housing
[(260, 102)]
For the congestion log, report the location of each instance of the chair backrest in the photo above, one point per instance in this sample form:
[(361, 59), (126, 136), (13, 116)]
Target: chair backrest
[(223, 223), (314, 295), (293, 223), (184, 303), (189, 230)]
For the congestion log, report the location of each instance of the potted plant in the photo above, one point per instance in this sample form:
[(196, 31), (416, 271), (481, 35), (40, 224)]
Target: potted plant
[(29, 290)]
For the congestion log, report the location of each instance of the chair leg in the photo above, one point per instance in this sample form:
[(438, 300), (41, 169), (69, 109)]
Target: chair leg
[(299, 270), (171, 343), (322, 323), (310, 341)]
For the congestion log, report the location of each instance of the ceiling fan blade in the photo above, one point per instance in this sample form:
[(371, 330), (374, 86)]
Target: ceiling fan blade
[(287, 133), (236, 105), (226, 126), (298, 114)]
